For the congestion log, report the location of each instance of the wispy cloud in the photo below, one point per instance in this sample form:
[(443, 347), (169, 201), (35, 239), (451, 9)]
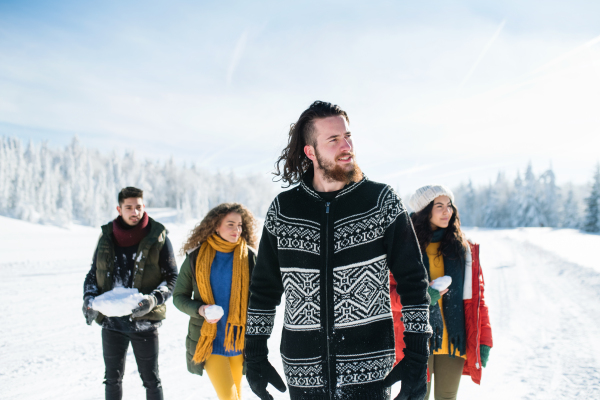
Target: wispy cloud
[(482, 55), (236, 56), (568, 55)]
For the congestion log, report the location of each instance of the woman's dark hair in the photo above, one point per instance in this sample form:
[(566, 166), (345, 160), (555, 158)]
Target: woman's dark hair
[(295, 162), (453, 242)]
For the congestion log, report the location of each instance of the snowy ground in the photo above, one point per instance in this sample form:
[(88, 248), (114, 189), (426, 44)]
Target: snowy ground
[(543, 290)]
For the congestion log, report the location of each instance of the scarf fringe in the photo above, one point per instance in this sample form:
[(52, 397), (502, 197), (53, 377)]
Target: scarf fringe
[(203, 349), (233, 341)]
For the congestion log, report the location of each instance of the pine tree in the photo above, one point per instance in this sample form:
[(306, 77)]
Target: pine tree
[(468, 217), (591, 221), (81, 183), (570, 215), (6, 160), (528, 208), (550, 198), (496, 209)]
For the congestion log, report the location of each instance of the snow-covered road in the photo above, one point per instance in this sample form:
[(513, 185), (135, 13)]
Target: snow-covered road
[(545, 313), (544, 306)]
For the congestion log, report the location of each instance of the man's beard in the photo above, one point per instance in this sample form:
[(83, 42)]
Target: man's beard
[(335, 173)]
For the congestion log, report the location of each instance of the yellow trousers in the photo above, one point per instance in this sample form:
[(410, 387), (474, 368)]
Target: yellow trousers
[(225, 374)]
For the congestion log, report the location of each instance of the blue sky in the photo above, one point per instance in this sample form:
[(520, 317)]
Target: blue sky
[(437, 91)]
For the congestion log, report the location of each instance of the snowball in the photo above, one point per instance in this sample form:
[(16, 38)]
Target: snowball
[(441, 283), (213, 312), (117, 302)]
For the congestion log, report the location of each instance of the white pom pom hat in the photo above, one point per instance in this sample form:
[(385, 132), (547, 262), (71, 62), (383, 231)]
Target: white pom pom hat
[(426, 194)]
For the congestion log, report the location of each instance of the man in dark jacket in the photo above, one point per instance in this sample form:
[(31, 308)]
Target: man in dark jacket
[(329, 244), (133, 252)]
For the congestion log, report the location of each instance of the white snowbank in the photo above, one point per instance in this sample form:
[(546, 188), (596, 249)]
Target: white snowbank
[(541, 306), (51, 243), (569, 244), (117, 302)]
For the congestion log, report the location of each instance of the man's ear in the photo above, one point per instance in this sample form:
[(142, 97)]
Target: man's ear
[(119, 210), (310, 152)]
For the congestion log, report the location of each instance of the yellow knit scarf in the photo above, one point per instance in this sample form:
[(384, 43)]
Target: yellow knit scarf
[(238, 302)]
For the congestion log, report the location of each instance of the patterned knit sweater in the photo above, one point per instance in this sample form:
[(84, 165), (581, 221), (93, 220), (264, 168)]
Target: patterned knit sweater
[(332, 260)]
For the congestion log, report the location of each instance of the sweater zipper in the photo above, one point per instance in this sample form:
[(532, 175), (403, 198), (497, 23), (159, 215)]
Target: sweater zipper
[(477, 345), (331, 387)]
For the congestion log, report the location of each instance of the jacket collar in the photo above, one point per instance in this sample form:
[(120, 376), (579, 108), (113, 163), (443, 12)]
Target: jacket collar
[(306, 185), (156, 228)]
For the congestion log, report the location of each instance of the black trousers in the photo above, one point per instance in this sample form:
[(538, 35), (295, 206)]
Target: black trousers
[(145, 350)]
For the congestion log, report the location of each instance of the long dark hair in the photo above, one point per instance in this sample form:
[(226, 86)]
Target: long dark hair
[(454, 242), (295, 162)]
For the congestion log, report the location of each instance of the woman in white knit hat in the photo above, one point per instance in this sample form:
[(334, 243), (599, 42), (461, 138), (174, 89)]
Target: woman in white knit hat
[(462, 335)]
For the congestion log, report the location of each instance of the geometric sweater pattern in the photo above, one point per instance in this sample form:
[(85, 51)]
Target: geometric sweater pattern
[(331, 260)]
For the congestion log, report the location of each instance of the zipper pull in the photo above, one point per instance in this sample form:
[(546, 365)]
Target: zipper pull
[(327, 208)]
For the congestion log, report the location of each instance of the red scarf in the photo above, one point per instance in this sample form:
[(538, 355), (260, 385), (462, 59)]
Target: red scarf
[(128, 237)]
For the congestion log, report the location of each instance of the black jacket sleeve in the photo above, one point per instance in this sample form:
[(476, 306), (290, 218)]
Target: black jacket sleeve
[(90, 285), (406, 264), (168, 270), (266, 286)]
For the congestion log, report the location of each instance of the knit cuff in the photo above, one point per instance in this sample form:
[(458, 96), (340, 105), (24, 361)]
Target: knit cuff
[(416, 319), (255, 350), (417, 343), (260, 323)]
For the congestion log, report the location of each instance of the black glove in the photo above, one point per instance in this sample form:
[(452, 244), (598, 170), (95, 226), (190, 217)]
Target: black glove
[(259, 371), (89, 314), (412, 371), (144, 306)]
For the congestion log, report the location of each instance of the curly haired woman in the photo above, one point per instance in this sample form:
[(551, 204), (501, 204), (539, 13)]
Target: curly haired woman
[(462, 335), (216, 271)]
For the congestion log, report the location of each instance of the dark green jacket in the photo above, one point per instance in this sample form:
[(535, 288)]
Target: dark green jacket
[(146, 274), (186, 298)]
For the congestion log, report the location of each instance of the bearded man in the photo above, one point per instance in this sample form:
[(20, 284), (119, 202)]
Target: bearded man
[(329, 243)]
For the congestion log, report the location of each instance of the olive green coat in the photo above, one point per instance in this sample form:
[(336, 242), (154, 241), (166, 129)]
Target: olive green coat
[(146, 273), (186, 298)]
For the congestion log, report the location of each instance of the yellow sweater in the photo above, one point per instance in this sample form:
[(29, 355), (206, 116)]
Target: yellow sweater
[(436, 270)]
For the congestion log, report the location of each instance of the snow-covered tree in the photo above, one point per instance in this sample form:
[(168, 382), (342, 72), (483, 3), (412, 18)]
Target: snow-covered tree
[(57, 186), (465, 201), (570, 214), (528, 211), (550, 198), (591, 222), (496, 208)]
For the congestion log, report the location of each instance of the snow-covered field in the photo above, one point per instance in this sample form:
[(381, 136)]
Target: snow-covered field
[(543, 290)]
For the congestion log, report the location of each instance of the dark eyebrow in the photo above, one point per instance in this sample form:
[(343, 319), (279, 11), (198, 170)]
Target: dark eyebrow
[(439, 202), (334, 136)]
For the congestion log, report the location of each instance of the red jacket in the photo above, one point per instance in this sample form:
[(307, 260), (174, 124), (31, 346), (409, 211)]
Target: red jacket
[(477, 321)]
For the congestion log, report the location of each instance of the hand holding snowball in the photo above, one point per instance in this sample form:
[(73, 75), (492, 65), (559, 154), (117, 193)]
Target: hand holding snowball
[(441, 284), (211, 313)]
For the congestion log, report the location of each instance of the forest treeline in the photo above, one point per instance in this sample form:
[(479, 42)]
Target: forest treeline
[(75, 184), (531, 201)]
